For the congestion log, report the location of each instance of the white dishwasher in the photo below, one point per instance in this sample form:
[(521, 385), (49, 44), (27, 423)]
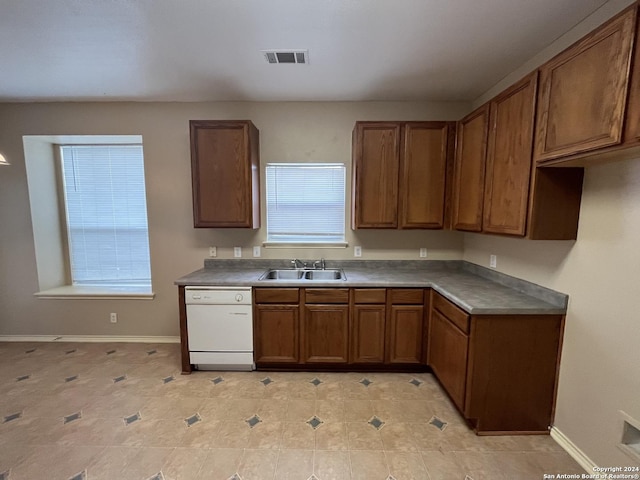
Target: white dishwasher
[(220, 327)]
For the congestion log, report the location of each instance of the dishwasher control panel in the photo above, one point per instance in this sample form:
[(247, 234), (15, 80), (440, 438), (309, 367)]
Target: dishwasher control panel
[(217, 296)]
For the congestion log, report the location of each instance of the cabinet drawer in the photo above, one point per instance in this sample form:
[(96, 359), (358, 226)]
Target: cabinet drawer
[(327, 295), (369, 295), (406, 296), (458, 317), (276, 295)]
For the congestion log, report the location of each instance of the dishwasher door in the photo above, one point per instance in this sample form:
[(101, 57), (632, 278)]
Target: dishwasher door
[(220, 328)]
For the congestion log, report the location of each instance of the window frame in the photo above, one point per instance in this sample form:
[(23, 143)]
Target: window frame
[(42, 164), (65, 216), (299, 243)]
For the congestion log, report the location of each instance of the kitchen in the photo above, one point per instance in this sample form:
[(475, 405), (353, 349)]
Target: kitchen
[(598, 374)]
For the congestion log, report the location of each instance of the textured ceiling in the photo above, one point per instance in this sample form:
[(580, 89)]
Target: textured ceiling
[(200, 50)]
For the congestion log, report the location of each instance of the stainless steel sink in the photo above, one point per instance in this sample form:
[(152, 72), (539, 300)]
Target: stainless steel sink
[(300, 274), (331, 274), (282, 275)]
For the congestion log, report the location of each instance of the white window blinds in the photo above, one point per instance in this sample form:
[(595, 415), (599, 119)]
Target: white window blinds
[(305, 202), (106, 215)]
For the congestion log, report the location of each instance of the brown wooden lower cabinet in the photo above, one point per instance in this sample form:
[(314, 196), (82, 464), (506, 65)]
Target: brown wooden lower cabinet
[(502, 371), (367, 333), (300, 328), (405, 323), (277, 334), (276, 323), (326, 333), (448, 349)]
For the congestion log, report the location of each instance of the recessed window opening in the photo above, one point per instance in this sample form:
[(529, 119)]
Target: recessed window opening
[(106, 215), (305, 202)]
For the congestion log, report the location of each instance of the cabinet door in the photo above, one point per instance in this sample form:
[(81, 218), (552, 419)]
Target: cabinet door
[(405, 334), (277, 336), (367, 333), (632, 123), (225, 174), (583, 91), (326, 333), (471, 152), (423, 169), (376, 161), (448, 351), (508, 169)]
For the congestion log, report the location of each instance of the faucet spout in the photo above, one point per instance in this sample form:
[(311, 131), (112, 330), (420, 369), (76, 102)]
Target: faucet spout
[(295, 263)]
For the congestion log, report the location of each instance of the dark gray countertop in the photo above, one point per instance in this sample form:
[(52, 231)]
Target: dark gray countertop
[(475, 289)]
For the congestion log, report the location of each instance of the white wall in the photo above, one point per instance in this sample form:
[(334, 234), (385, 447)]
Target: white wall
[(600, 367), (288, 132)]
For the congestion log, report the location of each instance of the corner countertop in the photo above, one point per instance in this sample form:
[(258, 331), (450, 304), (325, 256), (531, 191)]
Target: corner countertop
[(475, 289)]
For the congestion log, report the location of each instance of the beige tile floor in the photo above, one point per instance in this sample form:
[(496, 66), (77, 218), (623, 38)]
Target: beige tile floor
[(123, 411)]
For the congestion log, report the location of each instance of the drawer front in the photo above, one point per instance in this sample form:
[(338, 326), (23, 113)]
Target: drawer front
[(327, 295), (277, 295), (369, 295), (407, 296), (458, 317)]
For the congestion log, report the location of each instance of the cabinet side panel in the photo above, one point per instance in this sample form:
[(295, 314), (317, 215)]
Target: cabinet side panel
[(632, 125), (512, 382), (184, 337), (254, 180), (555, 203)]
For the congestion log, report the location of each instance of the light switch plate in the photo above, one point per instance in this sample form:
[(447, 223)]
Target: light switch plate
[(423, 253), (256, 251), (237, 252), (493, 261)]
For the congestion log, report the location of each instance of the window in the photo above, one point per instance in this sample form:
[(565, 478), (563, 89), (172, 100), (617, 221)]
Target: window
[(106, 215), (305, 202)]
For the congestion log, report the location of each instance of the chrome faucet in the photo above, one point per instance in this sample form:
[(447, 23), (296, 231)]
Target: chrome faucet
[(319, 264), (295, 262)]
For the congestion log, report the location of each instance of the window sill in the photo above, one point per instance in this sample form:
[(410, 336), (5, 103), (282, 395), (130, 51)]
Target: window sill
[(305, 245), (97, 293)]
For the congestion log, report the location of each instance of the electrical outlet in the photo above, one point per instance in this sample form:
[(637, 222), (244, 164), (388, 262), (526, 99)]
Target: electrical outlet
[(213, 252), (237, 252), (113, 318), (493, 261), (357, 251), (423, 253), (256, 251)]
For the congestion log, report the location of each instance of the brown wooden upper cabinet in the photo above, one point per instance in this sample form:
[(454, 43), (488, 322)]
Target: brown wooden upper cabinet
[(400, 174), (468, 183), (497, 188), (225, 168), (508, 170), (584, 93)]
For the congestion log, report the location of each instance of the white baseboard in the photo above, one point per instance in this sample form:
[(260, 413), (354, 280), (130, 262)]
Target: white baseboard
[(572, 449), (87, 338)]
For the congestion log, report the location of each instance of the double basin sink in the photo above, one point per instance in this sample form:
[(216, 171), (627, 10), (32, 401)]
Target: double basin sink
[(303, 274)]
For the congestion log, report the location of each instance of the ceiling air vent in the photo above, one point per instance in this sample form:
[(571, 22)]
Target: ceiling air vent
[(287, 56)]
